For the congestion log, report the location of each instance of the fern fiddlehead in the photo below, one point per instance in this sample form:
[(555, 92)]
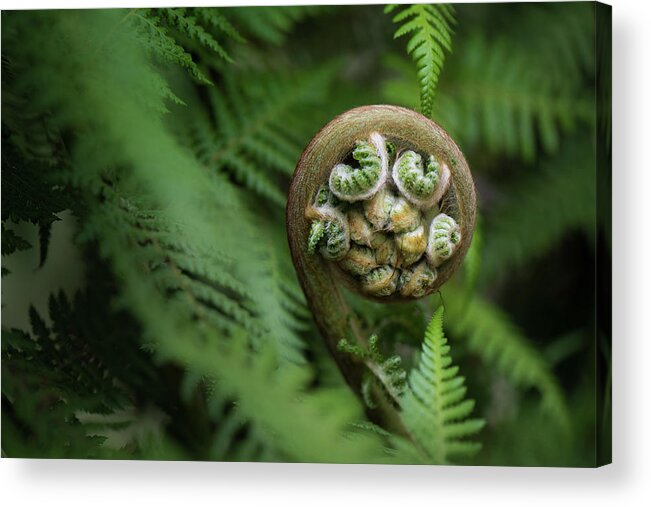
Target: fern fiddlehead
[(388, 221), (353, 185), (423, 186), (444, 236)]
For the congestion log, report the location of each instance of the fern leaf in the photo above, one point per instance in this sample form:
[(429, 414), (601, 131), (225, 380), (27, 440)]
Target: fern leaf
[(435, 410), (258, 126), (28, 197), (214, 18), (430, 31), (490, 334), (514, 106), (11, 242), (124, 428), (561, 36), (60, 368), (542, 208), (165, 34), (272, 24), (160, 44), (504, 99), (387, 373), (183, 20)]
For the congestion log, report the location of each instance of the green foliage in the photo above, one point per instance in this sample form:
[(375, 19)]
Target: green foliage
[(257, 125), (267, 395), (192, 339), (388, 373), (430, 30), (489, 333), (176, 264), (271, 24), (435, 410), (62, 368), (539, 211), (513, 99), (473, 261), (28, 197), (171, 34)]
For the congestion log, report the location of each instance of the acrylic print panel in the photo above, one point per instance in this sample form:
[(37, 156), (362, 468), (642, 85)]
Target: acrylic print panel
[(342, 234)]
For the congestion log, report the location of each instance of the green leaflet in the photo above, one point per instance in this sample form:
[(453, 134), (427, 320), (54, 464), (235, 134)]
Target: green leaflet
[(489, 332), (159, 31), (506, 98), (256, 126), (435, 409), (430, 30), (540, 209)]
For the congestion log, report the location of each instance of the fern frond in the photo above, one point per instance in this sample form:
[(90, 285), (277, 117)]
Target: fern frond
[(191, 256), (430, 29), (258, 125), (61, 367), (28, 197), (276, 296), (497, 99), (435, 410), (538, 211), (11, 243), (167, 233), (266, 395), (156, 40), (272, 24), (490, 333), (129, 427), (561, 36), (387, 373), (187, 24), (214, 18), (166, 32), (514, 106)]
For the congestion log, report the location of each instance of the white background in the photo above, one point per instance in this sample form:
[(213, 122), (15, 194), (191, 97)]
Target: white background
[(627, 482)]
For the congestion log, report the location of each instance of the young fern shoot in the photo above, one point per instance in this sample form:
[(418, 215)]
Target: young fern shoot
[(363, 209)]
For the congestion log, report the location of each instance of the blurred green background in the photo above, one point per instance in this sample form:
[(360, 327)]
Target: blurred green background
[(150, 307)]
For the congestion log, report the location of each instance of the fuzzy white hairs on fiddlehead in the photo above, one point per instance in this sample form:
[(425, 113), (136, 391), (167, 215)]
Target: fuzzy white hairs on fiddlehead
[(444, 236), (356, 184), (423, 186), (385, 232), (329, 231)]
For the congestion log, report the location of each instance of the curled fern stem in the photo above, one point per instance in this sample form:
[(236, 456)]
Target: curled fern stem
[(383, 235)]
